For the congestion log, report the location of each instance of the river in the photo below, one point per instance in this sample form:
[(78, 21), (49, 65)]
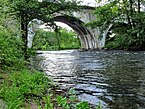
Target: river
[(114, 78)]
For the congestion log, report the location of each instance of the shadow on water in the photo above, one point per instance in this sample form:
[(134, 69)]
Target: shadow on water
[(116, 79)]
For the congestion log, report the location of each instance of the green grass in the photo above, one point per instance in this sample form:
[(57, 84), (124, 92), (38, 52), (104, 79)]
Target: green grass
[(19, 89), (21, 86)]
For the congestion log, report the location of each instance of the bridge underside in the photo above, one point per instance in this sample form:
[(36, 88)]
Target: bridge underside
[(87, 40)]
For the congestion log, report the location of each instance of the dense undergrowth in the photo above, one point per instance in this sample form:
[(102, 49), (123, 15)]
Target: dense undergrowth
[(17, 82), (19, 88)]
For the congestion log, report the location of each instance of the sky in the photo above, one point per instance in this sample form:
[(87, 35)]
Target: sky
[(92, 1), (89, 2)]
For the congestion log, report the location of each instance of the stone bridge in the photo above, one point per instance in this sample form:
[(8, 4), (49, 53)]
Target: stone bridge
[(89, 38)]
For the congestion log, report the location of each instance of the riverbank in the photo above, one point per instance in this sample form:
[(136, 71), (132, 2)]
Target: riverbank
[(20, 88), (34, 90)]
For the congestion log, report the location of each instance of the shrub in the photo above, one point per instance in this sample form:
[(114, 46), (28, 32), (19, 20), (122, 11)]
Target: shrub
[(24, 85), (11, 54)]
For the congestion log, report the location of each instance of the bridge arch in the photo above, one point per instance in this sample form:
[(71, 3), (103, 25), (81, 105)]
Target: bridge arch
[(109, 31), (114, 26), (85, 36)]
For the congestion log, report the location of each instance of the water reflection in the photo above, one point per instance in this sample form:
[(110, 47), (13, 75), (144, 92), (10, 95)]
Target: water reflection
[(114, 78)]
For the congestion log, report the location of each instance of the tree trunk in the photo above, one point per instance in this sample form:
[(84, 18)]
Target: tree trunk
[(127, 13), (131, 13), (24, 30), (138, 6)]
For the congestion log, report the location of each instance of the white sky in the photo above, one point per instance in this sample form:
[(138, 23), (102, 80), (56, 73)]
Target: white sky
[(88, 2), (92, 1)]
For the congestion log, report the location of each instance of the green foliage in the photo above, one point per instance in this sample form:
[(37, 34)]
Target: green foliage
[(11, 54), (53, 41), (48, 103), (120, 38), (45, 40), (82, 105), (44, 9), (117, 12), (21, 86), (69, 40), (10, 49), (105, 15), (27, 10), (62, 102), (70, 102), (99, 106), (72, 96)]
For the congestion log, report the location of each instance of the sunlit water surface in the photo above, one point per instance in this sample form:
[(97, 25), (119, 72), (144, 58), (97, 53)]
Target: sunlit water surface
[(116, 79)]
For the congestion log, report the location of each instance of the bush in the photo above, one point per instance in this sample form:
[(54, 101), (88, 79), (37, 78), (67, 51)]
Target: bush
[(21, 86), (11, 54)]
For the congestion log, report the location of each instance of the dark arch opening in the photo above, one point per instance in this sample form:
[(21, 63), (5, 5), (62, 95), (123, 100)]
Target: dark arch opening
[(116, 26), (115, 30), (74, 23), (86, 38), (77, 25)]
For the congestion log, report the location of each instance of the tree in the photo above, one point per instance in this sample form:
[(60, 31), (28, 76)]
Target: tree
[(119, 12), (50, 40), (10, 40), (27, 10)]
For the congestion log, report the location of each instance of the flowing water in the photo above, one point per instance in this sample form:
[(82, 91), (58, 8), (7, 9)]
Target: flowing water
[(116, 79)]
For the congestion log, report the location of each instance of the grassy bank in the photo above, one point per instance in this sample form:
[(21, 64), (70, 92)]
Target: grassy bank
[(30, 89), (20, 88)]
